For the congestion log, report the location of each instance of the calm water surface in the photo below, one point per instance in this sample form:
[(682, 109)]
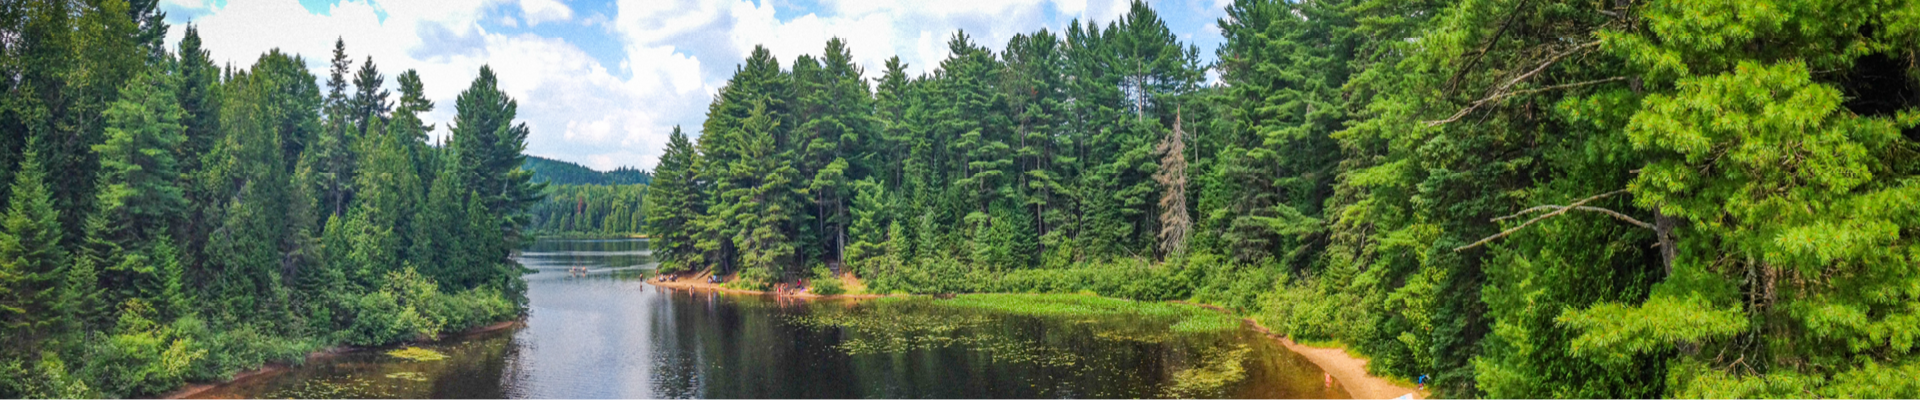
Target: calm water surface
[(609, 335)]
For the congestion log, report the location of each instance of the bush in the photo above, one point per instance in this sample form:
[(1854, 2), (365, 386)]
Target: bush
[(752, 279), (825, 284), (142, 356), (233, 348)]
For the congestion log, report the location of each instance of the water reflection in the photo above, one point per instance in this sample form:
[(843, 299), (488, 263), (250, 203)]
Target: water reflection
[(609, 335)]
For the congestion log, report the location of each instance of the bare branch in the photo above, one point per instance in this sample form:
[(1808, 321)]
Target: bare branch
[(1502, 93), (1615, 214), (1557, 210), (1454, 82)]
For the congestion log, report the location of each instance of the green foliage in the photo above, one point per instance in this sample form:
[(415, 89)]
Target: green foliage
[(169, 220), (590, 210), (825, 283), (141, 356), (672, 206)]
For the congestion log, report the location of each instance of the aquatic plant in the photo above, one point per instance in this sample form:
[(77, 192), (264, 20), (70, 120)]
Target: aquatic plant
[(417, 354), (1217, 369)]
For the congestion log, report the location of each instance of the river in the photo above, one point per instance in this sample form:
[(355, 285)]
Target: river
[(610, 335)]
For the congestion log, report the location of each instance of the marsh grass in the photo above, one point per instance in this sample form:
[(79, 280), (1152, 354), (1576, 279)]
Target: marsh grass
[(1183, 318)]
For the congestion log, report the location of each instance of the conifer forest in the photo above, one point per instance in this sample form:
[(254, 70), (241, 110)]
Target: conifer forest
[(1509, 198), (169, 219)]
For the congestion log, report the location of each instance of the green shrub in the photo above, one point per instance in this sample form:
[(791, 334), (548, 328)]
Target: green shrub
[(142, 356), (752, 279), (825, 284)]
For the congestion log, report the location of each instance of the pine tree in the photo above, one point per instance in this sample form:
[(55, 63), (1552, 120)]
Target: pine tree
[(141, 195), (489, 146), (1035, 87), (762, 198), (833, 110), (369, 100), (440, 231), (673, 204), (721, 145), (871, 215), (413, 102), (32, 262), (199, 98)]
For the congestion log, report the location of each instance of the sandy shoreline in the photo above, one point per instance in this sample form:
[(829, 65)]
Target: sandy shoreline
[(1349, 370)]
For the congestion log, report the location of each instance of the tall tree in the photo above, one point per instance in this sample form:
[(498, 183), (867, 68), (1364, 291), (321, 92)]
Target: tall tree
[(369, 100), (758, 80), (488, 146), (834, 111), (32, 262), (762, 197), (674, 204)]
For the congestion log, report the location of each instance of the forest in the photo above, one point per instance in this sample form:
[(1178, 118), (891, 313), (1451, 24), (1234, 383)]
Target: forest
[(583, 211), (168, 219), (556, 172), (1515, 198)]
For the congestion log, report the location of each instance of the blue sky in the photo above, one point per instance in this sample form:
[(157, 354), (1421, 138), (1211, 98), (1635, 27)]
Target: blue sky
[(602, 83)]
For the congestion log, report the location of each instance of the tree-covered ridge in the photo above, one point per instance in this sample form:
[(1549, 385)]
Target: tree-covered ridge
[(556, 172), (167, 219), (590, 210), (1515, 198)]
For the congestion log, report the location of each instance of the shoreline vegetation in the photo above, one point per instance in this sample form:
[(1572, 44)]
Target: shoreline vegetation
[(270, 369), (1337, 360), (1489, 194)]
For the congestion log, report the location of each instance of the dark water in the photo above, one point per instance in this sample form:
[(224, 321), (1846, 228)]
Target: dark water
[(609, 335)]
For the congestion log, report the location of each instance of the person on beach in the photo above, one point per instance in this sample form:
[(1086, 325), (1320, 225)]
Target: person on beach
[(1423, 382)]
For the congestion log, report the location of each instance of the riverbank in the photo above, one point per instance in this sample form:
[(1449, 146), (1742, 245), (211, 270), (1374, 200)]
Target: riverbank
[(1351, 371), (275, 368)]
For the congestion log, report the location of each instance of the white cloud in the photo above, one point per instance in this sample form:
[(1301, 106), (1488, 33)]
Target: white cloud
[(543, 11), (671, 54)]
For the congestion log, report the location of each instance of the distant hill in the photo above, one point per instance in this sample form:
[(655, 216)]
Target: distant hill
[(566, 173)]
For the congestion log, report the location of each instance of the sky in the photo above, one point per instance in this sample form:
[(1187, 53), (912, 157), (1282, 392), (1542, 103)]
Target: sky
[(602, 83)]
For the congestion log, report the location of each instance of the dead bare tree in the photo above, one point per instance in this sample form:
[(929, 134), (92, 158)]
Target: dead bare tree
[(1174, 221)]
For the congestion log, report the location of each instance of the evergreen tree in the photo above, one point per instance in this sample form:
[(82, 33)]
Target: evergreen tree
[(488, 147), (762, 198), (674, 204), (369, 100), (141, 196), (32, 262), (721, 145)]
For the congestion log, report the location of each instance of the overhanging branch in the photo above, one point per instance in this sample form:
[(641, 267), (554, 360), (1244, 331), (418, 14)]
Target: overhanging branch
[(1557, 210), (1501, 92)]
